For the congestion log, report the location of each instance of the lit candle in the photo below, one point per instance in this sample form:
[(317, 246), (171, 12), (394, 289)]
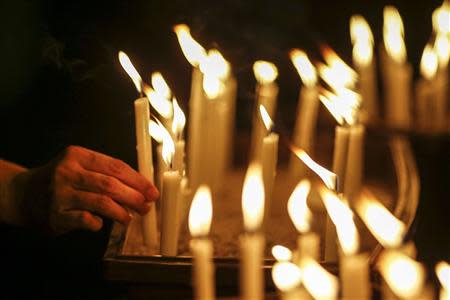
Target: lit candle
[(266, 95), (287, 278), (397, 73), (159, 98), (170, 204), (179, 120), (403, 277), (281, 253), (143, 148), (269, 159), (320, 284), (307, 109), (252, 241), (353, 267), (200, 217), (443, 274), (308, 243), (364, 62)]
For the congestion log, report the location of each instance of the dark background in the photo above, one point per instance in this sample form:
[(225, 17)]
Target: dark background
[(61, 84)]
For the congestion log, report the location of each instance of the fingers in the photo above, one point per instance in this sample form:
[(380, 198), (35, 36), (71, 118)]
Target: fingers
[(100, 163), (113, 188), (78, 219), (99, 205)]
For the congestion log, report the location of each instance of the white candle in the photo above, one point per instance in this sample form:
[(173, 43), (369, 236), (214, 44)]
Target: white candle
[(252, 242), (354, 164), (307, 109), (355, 276), (442, 49), (200, 217), (340, 154)]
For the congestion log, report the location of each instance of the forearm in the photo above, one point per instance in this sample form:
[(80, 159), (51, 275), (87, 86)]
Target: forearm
[(10, 192)]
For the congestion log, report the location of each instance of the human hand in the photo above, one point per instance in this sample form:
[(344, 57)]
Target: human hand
[(78, 188)]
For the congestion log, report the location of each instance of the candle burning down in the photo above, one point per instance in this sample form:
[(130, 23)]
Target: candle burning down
[(393, 34), (429, 62), (268, 123), (362, 40), (265, 72), (281, 253), (304, 67), (385, 227), (131, 70), (319, 283), (286, 276), (200, 214), (297, 207), (253, 198), (404, 276), (342, 218)]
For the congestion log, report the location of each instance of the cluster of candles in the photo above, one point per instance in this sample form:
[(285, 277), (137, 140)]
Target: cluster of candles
[(212, 107)]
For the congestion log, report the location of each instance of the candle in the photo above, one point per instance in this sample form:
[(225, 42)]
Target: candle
[(200, 217), (281, 253), (353, 268), (266, 95), (252, 241), (287, 278), (170, 204), (362, 40), (159, 98), (308, 243), (179, 120), (319, 283), (143, 148), (307, 109), (397, 73), (403, 276), (442, 49), (443, 274), (269, 158)]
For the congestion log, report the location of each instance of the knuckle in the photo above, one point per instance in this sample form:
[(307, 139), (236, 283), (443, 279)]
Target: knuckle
[(107, 183), (116, 166), (101, 203)]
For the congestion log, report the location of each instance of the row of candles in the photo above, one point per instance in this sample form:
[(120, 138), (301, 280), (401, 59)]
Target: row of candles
[(211, 119)]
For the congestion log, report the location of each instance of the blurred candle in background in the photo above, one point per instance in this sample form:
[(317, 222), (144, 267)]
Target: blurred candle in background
[(443, 274)]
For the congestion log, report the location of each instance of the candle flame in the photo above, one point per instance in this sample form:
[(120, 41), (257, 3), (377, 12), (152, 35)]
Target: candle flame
[(179, 119), (286, 276), (328, 177), (162, 105), (192, 50), (215, 70), (268, 123), (265, 72), (404, 276), (362, 40), (281, 253), (342, 218), (441, 17), (393, 34), (156, 132), (343, 105), (442, 49), (131, 70), (160, 85), (168, 146), (443, 274), (253, 198), (385, 227), (429, 62), (298, 208), (319, 283), (304, 67), (200, 214), (336, 73)]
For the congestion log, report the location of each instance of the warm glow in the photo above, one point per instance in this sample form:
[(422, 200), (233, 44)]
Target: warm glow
[(319, 283), (393, 33), (442, 49), (443, 274), (179, 119), (200, 214), (281, 253), (343, 104), (192, 50), (268, 123), (131, 70), (162, 105), (336, 73), (404, 275), (298, 208), (384, 226), (362, 40), (168, 146), (429, 62), (215, 69), (265, 72), (286, 276), (160, 85), (342, 218), (253, 198), (304, 67), (441, 18), (328, 177), (156, 132)]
